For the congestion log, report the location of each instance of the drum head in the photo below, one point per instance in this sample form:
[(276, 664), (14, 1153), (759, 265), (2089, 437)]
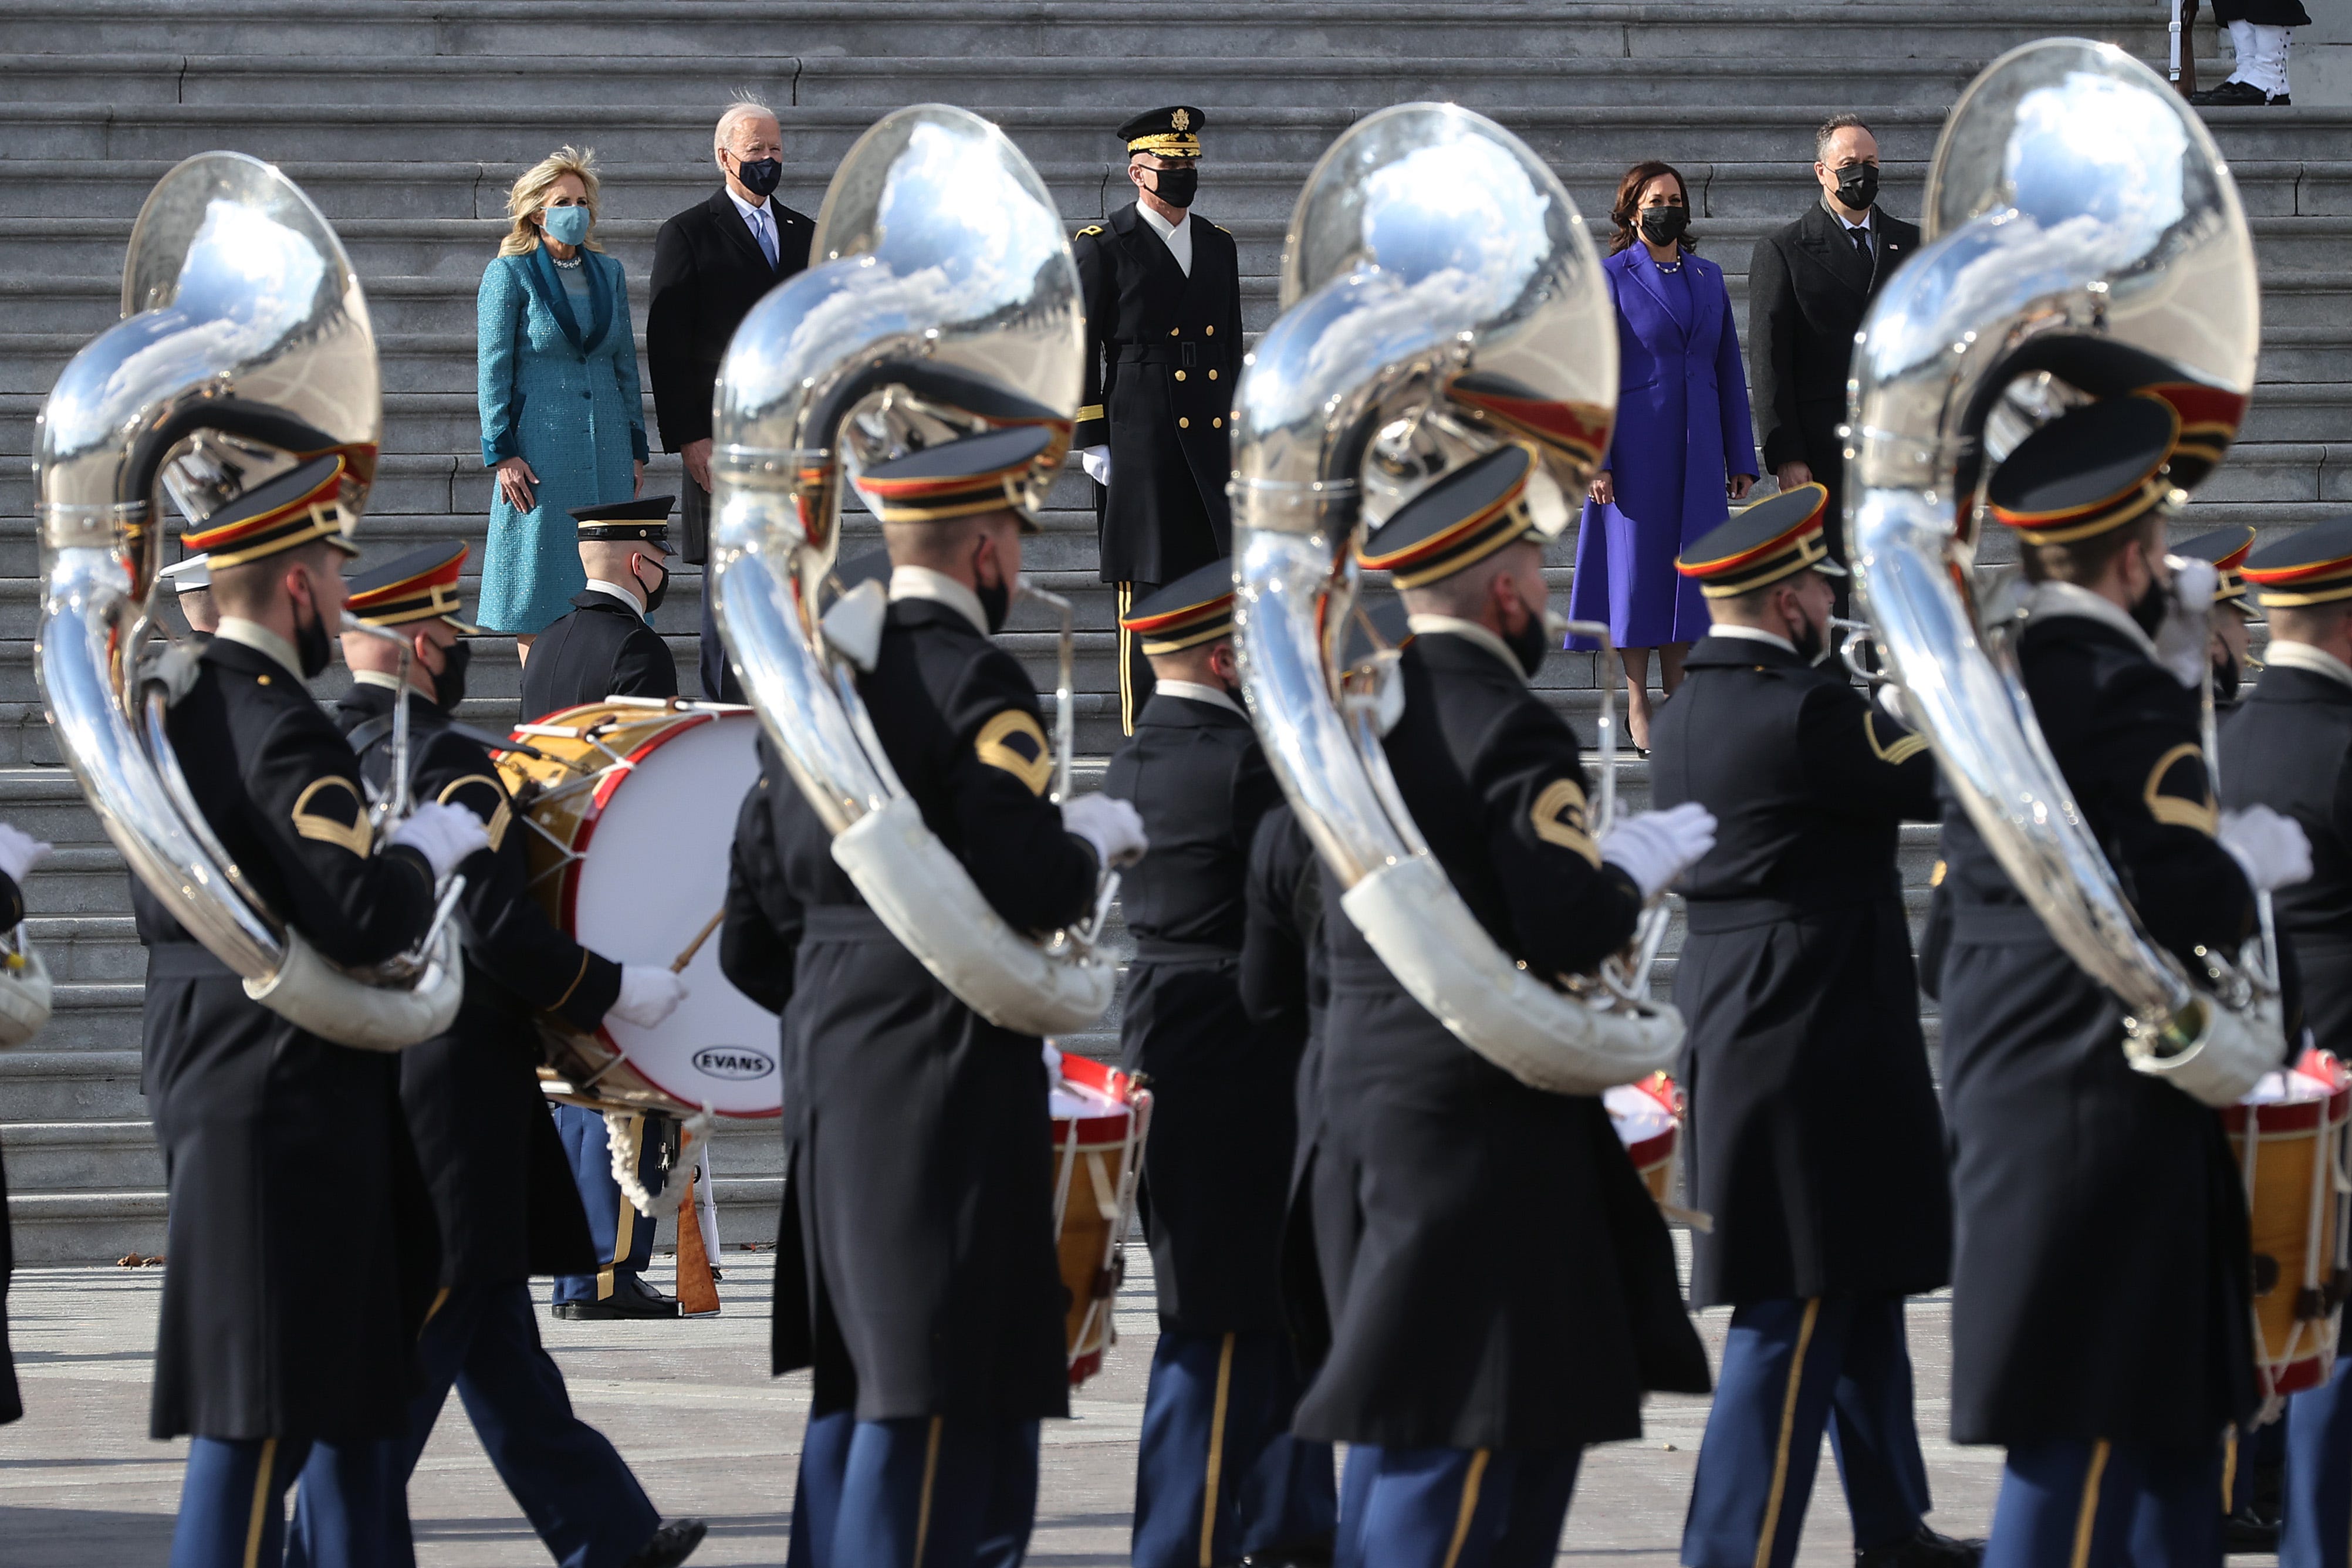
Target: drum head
[(655, 873)]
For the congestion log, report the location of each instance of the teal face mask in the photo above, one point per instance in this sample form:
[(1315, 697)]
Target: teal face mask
[(567, 225)]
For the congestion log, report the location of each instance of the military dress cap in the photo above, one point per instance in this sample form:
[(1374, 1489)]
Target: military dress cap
[(962, 478), (2227, 549), (2210, 415), (1778, 537), (646, 519), (421, 585), (299, 507), (2313, 567), (190, 575), (1196, 609), (1171, 132), (2089, 471), (1456, 522), (1389, 628)]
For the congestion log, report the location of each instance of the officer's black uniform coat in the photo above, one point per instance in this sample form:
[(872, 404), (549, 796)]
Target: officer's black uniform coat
[(12, 912), (283, 1309), (1163, 351), (1216, 1172), (2101, 1269), (2289, 747), (503, 1199), (603, 648), (1812, 1135), (916, 1266), (1497, 1275)]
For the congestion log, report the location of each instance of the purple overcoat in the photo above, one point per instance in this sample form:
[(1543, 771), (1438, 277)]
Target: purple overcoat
[(1682, 426)]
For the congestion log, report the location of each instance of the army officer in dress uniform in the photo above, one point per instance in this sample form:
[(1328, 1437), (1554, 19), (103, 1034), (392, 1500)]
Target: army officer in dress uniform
[(1218, 1476), (1164, 303), (1813, 1137), (2100, 1280), (278, 1144), (915, 1267), (2289, 747), (502, 1197), (1501, 1287)]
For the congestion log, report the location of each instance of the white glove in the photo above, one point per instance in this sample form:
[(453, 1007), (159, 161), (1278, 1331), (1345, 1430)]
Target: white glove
[(2272, 849), (1110, 825), (1656, 846), (1889, 698), (19, 852), (1096, 461), (2184, 640), (649, 992), (444, 834)]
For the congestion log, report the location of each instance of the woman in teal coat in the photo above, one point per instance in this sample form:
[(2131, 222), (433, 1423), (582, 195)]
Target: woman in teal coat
[(563, 425)]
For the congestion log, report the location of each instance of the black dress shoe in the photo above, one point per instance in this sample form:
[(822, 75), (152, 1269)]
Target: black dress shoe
[(631, 1298), (2230, 94), (2282, 101), (2247, 1532), (1315, 1554), (672, 1544), (1924, 1549)]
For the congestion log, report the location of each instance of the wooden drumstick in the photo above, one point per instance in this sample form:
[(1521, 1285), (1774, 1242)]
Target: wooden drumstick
[(696, 945)]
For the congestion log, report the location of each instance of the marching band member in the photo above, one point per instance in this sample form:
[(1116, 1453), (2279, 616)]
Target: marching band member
[(2100, 1310), (2227, 549), (273, 1138), (1502, 1289), (1812, 1135), (502, 1198), (19, 853), (916, 1264), (1218, 1476), (2289, 747)]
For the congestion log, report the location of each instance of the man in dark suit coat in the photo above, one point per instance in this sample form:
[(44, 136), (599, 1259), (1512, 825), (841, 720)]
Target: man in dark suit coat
[(711, 263), (608, 645), (1807, 285)]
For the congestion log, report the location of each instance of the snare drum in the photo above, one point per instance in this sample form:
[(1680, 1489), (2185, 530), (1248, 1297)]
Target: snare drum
[(631, 807), (1648, 1117), (2289, 1137), (1100, 1121)]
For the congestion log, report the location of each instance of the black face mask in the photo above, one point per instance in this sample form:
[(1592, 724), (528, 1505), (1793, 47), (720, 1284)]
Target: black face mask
[(995, 602), (761, 176), (1812, 646), (1664, 225), (1530, 644), (1177, 188), (2225, 677), (1858, 186), (654, 596), (2147, 612), (314, 647), (449, 686)]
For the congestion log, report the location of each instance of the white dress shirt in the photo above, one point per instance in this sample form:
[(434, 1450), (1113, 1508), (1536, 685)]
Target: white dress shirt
[(1753, 633), (1194, 691), (598, 586), (2284, 654), (262, 640), (761, 221), (1454, 625), (922, 583), (1177, 236)]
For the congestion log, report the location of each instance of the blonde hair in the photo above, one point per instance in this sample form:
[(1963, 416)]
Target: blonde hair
[(529, 193)]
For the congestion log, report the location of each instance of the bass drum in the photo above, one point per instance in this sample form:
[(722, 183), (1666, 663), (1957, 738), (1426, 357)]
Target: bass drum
[(1101, 1118), (2289, 1137), (631, 805)]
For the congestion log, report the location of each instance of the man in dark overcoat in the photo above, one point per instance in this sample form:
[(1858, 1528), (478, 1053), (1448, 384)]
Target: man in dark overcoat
[(1218, 1476), (712, 263), (606, 646), (502, 1197), (2289, 747), (19, 852), (1809, 283), (1162, 294), (1812, 1136), (1501, 1287), (2101, 1271), (274, 1138), (915, 1264)]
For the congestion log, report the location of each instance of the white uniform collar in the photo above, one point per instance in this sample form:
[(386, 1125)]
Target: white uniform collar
[(598, 586), (1752, 634), (2049, 599), (2284, 654), (922, 583), (1194, 691), (1177, 236), (262, 640), (1469, 631), (382, 678)]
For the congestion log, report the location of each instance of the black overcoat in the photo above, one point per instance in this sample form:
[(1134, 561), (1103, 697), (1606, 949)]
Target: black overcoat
[(707, 274), (916, 1267), (603, 648), (503, 1196), (2262, 13), (1216, 1172), (1813, 1134), (12, 1405), (2101, 1268), (1498, 1275), (2289, 747), (288, 1309), (1163, 351)]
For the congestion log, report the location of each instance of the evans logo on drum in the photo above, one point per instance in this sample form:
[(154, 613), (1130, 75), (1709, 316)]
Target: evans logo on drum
[(733, 1061)]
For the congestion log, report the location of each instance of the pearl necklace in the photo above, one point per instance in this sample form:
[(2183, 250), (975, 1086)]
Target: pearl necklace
[(571, 266)]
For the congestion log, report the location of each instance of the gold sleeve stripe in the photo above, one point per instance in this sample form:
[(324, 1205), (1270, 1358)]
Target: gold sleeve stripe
[(355, 836), (499, 820), (1091, 410), (1037, 770), (576, 979), (1558, 818), (1902, 752), (2172, 810), (1936, 878)]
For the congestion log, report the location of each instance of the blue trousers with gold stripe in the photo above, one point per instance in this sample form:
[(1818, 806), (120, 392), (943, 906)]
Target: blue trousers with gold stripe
[(624, 1237), (931, 1491), (2072, 1504), (1452, 1508), (2315, 1523), (1790, 1369), (1218, 1476), (233, 1505)]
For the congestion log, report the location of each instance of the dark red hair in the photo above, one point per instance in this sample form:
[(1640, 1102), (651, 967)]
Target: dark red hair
[(1625, 213)]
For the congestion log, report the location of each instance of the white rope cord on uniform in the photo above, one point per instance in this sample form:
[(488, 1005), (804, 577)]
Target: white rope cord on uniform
[(624, 1140)]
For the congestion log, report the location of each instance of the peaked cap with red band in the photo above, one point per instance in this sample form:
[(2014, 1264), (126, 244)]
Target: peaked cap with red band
[(1456, 522), (2313, 567), (299, 507), (1778, 537), (421, 585)]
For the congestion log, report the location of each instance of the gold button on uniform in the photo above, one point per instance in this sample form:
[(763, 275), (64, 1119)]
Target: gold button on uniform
[(1180, 375), (1218, 423), (1171, 331), (1209, 331), (1184, 423), (1212, 375)]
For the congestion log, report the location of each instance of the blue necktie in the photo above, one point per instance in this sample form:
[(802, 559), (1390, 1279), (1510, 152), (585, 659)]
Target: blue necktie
[(767, 238)]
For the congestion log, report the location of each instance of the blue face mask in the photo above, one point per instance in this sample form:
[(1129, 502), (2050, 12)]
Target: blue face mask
[(567, 225)]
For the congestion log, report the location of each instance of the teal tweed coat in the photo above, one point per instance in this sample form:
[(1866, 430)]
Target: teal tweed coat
[(562, 394)]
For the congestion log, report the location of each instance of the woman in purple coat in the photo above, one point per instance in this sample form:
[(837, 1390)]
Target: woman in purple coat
[(1683, 446)]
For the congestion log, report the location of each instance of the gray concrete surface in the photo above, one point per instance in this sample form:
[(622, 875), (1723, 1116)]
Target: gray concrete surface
[(692, 1405)]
